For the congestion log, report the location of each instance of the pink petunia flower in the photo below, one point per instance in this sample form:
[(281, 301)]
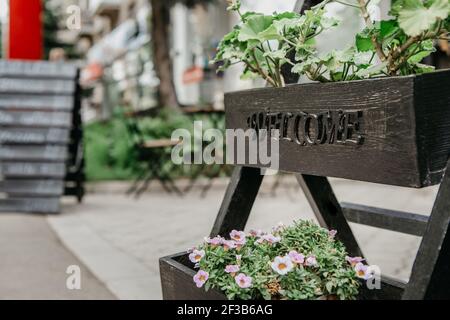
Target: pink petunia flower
[(279, 227), (232, 268), (354, 260), (238, 236), (362, 271), (196, 255), (256, 233), (216, 241), (200, 278), (282, 265), (296, 257), (311, 261), (270, 238), (332, 233), (229, 244), (243, 281)]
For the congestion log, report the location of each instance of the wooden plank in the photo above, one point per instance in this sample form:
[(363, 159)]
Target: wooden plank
[(366, 130), (12, 135), (430, 276), (33, 153), (36, 102), (24, 187), (36, 119), (432, 103), (325, 206), (177, 283), (15, 169), (36, 86), (400, 221), (40, 69), (37, 205), (238, 200)]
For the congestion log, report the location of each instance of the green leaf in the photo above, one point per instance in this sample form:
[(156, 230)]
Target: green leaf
[(419, 57), (375, 70), (388, 28), (364, 43), (258, 27), (414, 17), (423, 68), (329, 286)]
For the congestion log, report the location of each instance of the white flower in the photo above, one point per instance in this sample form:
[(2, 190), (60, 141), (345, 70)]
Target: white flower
[(282, 265)]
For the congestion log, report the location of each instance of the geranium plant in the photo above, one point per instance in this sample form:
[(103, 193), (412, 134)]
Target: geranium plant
[(267, 43), (302, 261)]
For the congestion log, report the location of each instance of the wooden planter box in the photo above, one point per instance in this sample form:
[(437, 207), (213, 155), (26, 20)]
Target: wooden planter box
[(392, 130), (177, 280)]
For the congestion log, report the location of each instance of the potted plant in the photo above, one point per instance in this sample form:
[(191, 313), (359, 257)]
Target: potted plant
[(373, 111)]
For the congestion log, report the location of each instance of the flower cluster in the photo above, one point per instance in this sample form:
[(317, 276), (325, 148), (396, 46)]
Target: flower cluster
[(302, 261)]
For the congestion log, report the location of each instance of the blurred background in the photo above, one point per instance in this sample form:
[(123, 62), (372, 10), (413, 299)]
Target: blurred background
[(145, 71)]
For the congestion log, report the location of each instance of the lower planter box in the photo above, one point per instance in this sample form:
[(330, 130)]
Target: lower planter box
[(177, 283)]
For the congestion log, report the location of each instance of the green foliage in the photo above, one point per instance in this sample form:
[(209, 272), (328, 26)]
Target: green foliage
[(407, 39), (108, 151), (332, 276), (416, 16), (112, 147), (389, 47), (263, 43)]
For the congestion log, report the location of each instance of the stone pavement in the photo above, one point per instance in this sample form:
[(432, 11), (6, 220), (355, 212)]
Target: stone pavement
[(33, 262), (120, 239)]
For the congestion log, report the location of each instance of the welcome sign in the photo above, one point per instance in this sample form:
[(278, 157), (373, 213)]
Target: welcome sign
[(362, 130)]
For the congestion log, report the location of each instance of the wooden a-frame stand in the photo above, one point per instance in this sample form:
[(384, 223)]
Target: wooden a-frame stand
[(430, 278)]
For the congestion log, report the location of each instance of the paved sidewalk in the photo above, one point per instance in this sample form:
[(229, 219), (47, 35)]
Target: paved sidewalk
[(33, 262), (120, 239)]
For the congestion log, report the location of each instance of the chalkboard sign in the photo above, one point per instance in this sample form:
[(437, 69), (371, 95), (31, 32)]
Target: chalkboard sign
[(35, 119), (19, 169), (38, 70), (51, 86), (16, 135), (37, 100)]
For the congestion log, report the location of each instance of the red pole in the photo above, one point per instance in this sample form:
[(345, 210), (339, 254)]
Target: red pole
[(25, 30)]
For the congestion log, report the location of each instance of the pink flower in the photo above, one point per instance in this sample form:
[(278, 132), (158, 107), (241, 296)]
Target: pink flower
[(270, 238), (243, 281), (296, 257), (189, 250), (238, 236), (354, 260), (332, 233), (232, 268), (282, 265), (311, 261), (216, 241), (256, 233), (362, 271), (229, 244), (280, 226), (196, 255), (200, 278)]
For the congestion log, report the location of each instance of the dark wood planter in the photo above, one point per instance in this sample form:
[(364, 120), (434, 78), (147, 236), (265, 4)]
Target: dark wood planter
[(177, 283), (177, 280), (393, 130)]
